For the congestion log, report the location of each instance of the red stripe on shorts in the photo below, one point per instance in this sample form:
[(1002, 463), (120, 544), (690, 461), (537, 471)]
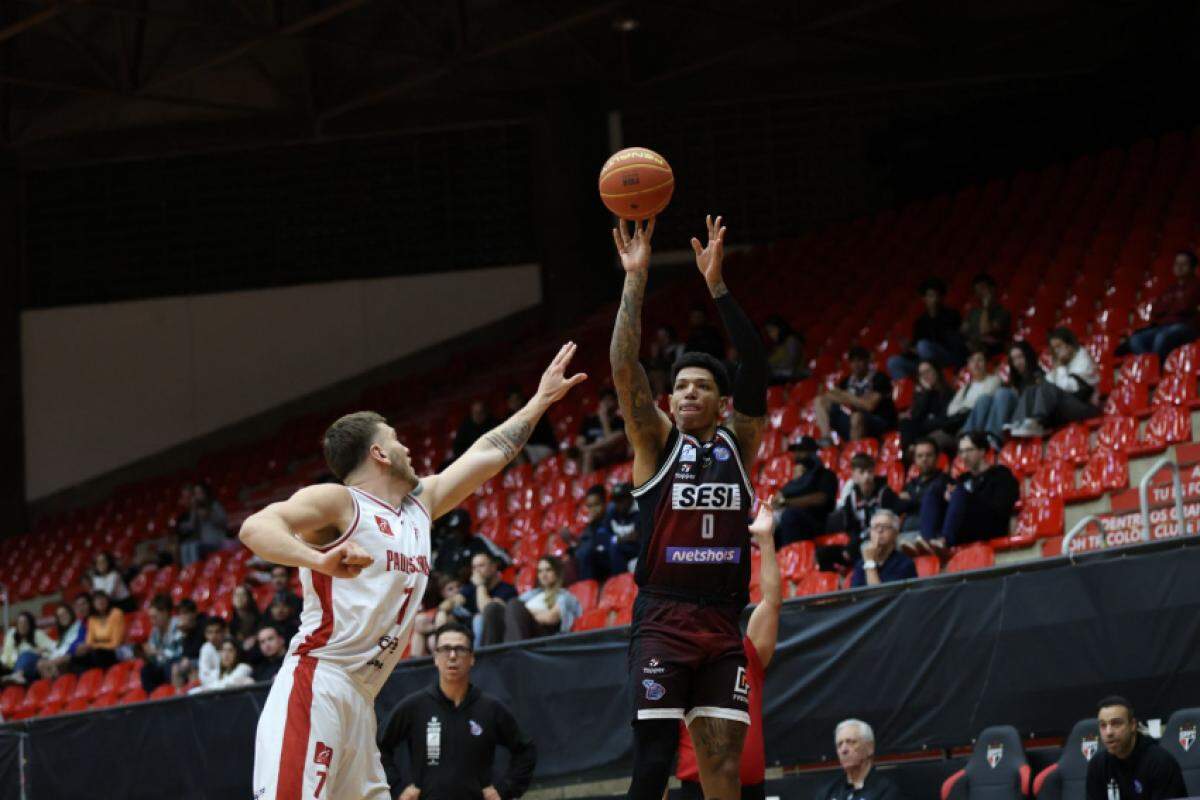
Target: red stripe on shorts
[(294, 754), (323, 586)]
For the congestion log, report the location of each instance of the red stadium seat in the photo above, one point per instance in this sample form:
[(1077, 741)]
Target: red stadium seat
[(76, 704), (137, 627), (50, 708), (35, 697), (1185, 359), (132, 696), (832, 540), (618, 591), (1167, 425), (624, 616), (1117, 433), (587, 593), (927, 566), (103, 701), (1176, 389), (796, 560), (592, 620), (1105, 471), (1040, 517), (816, 583), (1069, 443), (1053, 479), (1130, 399), (88, 684), (163, 692), (62, 689), (10, 699), (1022, 456), (973, 556), (262, 595), (902, 393), (1141, 369)]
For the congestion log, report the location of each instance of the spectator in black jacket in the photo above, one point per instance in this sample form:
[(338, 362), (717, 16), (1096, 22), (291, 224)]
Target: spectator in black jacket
[(478, 422), (927, 416), (936, 334), (868, 493), (272, 648), (190, 625), (805, 502), (978, 506), (456, 546), (593, 561), (929, 480), (1132, 766), (855, 742), (448, 734)]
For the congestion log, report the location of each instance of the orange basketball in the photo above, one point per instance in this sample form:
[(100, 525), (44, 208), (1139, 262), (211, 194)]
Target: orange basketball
[(636, 183)]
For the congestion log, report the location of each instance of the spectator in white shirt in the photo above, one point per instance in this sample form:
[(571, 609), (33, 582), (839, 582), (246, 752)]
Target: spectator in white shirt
[(106, 577), (981, 383), (230, 670), (72, 630), (543, 611), (209, 668), (1066, 394)]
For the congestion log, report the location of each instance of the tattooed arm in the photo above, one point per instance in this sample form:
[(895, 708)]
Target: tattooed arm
[(442, 492), (645, 423)]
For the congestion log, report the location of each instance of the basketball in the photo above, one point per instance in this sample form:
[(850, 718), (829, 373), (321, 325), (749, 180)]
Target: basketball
[(636, 183)]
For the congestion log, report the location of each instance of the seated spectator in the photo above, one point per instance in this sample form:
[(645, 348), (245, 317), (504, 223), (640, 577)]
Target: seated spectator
[(978, 506), (992, 414), (204, 529), (245, 621), (703, 336), (456, 546), (861, 406), (104, 576), (867, 494), (927, 416), (980, 384), (164, 648), (601, 439), (208, 666), (24, 645), (855, 743), (1132, 766), (665, 350), (541, 444), (231, 670), (804, 503), (929, 480), (272, 650), (281, 615), (592, 559), (478, 422), (1067, 393), (105, 633), (281, 579), (444, 589), (936, 334), (483, 598), (988, 323), (785, 351), (190, 624), (72, 630), (542, 611), (1173, 314), (881, 562), (621, 521)]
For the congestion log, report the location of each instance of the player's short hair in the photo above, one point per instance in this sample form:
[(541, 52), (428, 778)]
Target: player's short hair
[(864, 730), (862, 461), (347, 441), (694, 358), (453, 627), (1116, 700), (891, 516)]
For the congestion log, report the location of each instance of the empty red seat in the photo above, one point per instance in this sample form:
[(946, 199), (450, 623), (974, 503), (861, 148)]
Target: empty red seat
[(116, 679), (163, 692), (263, 594), (619, 591), (1141, 368), (1105, 471), (76, 704), (902, 393), (927, 565), (35, 697), (1128, 399), (1167, 425), (587, 593), (1176, 389), (137, 627), (132, 696), (10, 700), (1053, 479), (88, 684), (592, 620), (779, 469), (973, 556), (50, 708), (1040, 517), (1069, 443), (103, 701), (816, 583), (1022, 456), (796, 560), (62, 689), (1185, 359), (1117, 433)]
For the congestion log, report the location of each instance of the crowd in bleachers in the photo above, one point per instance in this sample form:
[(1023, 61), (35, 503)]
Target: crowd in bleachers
[(1053, 340)]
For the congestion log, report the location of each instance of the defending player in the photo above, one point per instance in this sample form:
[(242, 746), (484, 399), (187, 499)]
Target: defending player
[(694, 498), (363, 552)]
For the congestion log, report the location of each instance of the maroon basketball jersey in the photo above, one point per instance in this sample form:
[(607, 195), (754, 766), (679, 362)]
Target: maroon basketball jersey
[(693, 521)]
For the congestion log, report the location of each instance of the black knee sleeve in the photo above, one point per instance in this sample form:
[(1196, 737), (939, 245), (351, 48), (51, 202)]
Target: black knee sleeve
[(655, 742)]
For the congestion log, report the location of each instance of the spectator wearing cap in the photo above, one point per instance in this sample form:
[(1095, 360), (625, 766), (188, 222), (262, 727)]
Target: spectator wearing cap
[(601, 438), (804, 503), (456, 545), (928, 480), (977, 506), (855, 742), (936, 334), (592, 559), (620, 518), (880, 561), (988, 324), (867, 494), (1173, 314), (1132, 766), (861, 406)]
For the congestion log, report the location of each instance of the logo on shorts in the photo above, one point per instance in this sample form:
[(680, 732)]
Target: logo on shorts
[(995, 752), (704, 555), (384, 527), (721, 453), (654, 690), (1187, 736), (323, 754), (1089, 745), (476, 728), (740, 684), (688, 453), (654, 667)]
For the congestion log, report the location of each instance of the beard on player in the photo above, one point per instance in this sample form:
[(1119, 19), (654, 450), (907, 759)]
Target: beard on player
[(400, 465)]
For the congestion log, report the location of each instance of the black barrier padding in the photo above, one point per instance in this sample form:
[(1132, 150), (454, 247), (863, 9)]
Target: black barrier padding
[(10, 763)]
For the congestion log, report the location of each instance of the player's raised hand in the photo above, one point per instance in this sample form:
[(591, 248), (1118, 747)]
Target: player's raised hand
[(763, 528), (634, 250), (555, 383), (710, 256), (346, 560)]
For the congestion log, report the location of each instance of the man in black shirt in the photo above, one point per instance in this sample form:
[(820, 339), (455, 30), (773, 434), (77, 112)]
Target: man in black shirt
[(478, 422), (281, 580), (881, 562), (978, 506), (936, 334), (862, 404), (868, 494), (272, 647), (1132, 766), (456, 546), (929, 480), (856, 752), (806, 500), (450, 732), (484, 597)]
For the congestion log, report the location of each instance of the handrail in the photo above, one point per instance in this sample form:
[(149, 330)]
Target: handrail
[(1076, 529), (1144, 491)]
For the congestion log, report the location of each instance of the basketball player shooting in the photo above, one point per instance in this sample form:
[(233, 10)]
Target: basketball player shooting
[(694, 494), (362, 547)]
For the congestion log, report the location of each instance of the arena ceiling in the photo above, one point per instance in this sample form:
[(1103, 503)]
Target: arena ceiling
[(110, 78)]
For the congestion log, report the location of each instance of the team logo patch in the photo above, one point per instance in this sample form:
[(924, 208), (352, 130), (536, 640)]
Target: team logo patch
[(384, 527), (688, 453), (476, 728), (1089, 745), (995, 752), (704, 555), (654, 690), (721, 453), (654, 667), (740, 684), (1187, 736), (323, 754)]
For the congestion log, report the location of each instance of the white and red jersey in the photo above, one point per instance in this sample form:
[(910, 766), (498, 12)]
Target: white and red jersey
[(361, 625)]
